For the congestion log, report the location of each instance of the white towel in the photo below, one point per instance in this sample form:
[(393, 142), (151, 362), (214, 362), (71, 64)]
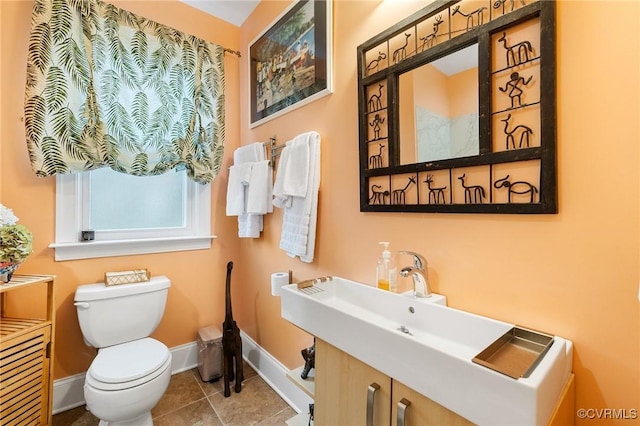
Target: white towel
[(297, 168), (312, 196), (300, 212), (260, 189), (292, 178), (280, 198), (238, 178), (249, 153), (249, 225)]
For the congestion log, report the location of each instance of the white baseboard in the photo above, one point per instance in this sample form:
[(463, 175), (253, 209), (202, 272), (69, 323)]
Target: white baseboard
[(275, 374), (184, 357), (68, 392)]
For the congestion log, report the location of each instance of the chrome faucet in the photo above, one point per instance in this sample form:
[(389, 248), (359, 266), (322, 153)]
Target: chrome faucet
[(419, 273)]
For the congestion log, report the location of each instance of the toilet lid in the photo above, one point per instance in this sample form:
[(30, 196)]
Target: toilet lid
[(128, 361)]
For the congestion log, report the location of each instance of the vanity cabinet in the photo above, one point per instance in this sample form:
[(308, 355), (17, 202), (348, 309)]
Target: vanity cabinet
[(422, 411), (343, 386), (26, 357), (349, 392)]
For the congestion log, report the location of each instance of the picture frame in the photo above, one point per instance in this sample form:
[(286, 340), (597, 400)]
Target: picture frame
[(290, 62)]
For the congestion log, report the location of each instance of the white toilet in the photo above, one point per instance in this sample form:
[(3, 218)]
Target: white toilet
[(131, 371)]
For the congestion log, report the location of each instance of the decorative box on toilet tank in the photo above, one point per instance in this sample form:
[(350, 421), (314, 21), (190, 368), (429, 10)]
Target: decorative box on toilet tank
[(210, 353)]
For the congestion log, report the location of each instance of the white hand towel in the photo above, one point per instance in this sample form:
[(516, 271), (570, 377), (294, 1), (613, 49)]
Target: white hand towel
[(250, 225), (260, 188), (300, 214), (249, 153), (280, 199), (238, 175), (297, 171), (314, 188)]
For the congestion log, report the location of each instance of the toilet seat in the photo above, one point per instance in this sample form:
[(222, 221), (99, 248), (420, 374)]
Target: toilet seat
[(128, 364)]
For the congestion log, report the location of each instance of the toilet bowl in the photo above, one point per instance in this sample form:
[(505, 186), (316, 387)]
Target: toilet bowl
[(131, 371), (126, 381)]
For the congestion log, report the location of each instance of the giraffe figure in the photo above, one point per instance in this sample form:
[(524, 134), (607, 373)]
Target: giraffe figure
[(522, 130), (472, 194), (399, 194), (375, 161), (435, 194), (477, 14), (518, 53), (401, 53)]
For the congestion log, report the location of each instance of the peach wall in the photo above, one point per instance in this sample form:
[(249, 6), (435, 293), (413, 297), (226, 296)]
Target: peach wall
[(431, 90), (196, 298), (574, 274), (460, 85)]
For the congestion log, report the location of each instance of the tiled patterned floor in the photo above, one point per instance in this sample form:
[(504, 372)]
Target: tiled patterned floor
[(189, 401)]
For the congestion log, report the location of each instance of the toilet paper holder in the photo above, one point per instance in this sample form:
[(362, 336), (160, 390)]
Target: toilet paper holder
[(279, 279)]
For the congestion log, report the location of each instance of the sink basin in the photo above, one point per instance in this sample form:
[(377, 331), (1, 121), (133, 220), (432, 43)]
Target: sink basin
[(430, 347)]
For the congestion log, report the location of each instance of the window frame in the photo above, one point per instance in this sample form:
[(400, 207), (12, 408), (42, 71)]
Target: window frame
[(71, 196)]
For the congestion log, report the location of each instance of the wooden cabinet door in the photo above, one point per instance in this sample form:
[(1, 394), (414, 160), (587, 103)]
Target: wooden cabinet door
[(421, 411), (342, 387), (564, 413), (24, 376)]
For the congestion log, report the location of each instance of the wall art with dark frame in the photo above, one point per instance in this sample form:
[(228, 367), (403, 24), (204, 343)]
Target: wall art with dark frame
[(290, 62)]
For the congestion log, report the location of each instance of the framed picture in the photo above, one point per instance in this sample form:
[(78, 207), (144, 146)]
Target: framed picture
[(290, 62)]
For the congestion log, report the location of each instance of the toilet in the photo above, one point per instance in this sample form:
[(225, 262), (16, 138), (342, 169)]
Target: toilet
[(131, 371)]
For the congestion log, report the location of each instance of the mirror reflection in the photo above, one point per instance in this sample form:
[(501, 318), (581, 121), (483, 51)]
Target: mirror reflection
[(438, 109)]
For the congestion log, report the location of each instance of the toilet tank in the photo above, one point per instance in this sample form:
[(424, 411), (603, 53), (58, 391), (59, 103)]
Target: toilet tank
[(121, 313)]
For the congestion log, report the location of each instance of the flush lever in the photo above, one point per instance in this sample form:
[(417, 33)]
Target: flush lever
[(82, 305)]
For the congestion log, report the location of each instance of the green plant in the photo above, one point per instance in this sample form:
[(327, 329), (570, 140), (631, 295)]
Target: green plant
[(16, 243)]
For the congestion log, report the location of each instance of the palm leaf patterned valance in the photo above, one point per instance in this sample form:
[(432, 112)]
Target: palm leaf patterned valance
[(106, 87)]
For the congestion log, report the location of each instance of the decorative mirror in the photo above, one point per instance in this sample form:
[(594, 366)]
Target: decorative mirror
[(457, 112)]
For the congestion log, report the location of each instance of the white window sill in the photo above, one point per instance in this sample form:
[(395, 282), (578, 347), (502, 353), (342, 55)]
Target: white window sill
[(93, 249)]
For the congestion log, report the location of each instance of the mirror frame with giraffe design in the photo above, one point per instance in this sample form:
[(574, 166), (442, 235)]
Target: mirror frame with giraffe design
[(515, 168)]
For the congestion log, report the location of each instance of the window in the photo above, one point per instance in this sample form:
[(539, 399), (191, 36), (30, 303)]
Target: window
[(130, 214)]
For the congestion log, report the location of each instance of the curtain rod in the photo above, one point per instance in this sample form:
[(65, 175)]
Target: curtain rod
[(234, 52)]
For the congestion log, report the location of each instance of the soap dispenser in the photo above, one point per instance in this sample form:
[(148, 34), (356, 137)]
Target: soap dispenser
[(386, 270)]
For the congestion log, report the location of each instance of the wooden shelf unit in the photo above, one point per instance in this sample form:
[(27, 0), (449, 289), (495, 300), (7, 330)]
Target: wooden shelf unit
[(26, 358)]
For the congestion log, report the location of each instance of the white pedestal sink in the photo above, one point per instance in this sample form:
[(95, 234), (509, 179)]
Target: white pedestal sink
[(429, 347)]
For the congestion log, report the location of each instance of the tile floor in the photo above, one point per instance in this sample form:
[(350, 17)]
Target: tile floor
[(189, 401)]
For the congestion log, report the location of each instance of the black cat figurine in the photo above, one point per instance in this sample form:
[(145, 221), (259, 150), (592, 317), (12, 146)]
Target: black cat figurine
[(231, 344)]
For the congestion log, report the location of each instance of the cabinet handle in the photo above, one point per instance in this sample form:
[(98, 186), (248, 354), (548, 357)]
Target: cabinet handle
[(371, 392), (402, 411)]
